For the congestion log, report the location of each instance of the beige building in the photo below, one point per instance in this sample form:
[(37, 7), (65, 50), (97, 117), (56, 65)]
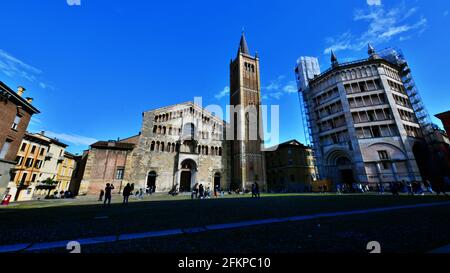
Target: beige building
[(290, 168), (30, 160), (48, 180)]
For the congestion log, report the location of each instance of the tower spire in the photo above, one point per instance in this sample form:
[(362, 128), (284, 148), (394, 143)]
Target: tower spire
[(243, 47), (334, 60), (372, 52)]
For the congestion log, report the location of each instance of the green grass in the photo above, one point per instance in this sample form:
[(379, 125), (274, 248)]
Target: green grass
[(55, 220)]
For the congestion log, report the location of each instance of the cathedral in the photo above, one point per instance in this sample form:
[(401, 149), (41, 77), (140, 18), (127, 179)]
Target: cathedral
[(182, 145)]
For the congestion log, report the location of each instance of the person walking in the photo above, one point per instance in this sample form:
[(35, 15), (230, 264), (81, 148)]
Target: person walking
[(201, 190), (126, 194), (141, 193), (253, 190), (257, 190), (102, 193), (108, 192)]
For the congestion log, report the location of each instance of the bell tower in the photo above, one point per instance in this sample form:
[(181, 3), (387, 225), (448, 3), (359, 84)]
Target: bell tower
[(247, 164)]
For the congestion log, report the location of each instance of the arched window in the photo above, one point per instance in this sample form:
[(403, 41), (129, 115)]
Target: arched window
[(220, 151), (188, 131), (157, 146), (164, 130), (152, 146), (155, 129), (162, 146)]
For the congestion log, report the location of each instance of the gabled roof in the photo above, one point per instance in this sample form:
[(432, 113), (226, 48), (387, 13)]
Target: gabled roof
[(292, 142)]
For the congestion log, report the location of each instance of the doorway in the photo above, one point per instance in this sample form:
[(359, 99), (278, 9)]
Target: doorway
[(185, 183), (217, 181), (151, 181)]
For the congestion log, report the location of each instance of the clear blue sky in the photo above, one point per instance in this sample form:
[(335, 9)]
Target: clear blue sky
[(94, 68)]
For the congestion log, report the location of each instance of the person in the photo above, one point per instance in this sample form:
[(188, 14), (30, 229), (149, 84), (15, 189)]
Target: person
[(257, 190), (253, 190), (102, 193), (394, 188), (132, 188), (216, 191), (201, 191), (108, 190), (320, 188), (141, 193), (126, 194)]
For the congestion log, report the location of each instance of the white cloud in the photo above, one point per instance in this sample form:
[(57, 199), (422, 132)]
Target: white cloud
[(383, 25), (290, 87), (72, 138), (276, 95), (374, 2), (17, 69), (223, 93), (13, 67)]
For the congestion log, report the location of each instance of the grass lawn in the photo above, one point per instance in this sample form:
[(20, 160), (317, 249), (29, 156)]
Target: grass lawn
[(413, 230)]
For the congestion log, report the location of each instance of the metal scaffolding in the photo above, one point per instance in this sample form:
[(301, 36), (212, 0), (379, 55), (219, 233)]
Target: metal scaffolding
[(396, 56)]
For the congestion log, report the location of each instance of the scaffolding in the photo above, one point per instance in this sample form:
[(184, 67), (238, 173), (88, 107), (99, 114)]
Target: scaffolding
[(307, 68), (396, 56)]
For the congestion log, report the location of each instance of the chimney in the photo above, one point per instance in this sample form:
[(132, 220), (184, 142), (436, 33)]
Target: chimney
[(30, 100), (43, 133), (20, 90)]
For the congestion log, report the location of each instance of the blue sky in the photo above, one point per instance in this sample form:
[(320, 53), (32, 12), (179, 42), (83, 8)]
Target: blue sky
[(94, 68)]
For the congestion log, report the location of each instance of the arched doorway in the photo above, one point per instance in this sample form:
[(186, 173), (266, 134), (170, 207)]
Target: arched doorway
[(151, 180), (217, 180), (187, 172), (345, 170)]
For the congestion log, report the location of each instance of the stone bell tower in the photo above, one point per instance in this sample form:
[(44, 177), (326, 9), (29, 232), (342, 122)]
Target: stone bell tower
[(245, 96)]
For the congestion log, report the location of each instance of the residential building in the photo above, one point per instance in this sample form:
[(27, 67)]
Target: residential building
[(30, 160), (15, 112)]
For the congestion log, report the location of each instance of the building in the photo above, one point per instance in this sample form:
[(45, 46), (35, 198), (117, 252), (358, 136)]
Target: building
[(66, 171), (48, 174), (15, 113), (290, 168), (105, 162), (445, 118), (179, 146), (182, 145), (247, 158), (30, 160), (363, 124)]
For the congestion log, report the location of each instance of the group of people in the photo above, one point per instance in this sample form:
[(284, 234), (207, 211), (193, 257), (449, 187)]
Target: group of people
[(412, 188), (199, 192), (128, 190)]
